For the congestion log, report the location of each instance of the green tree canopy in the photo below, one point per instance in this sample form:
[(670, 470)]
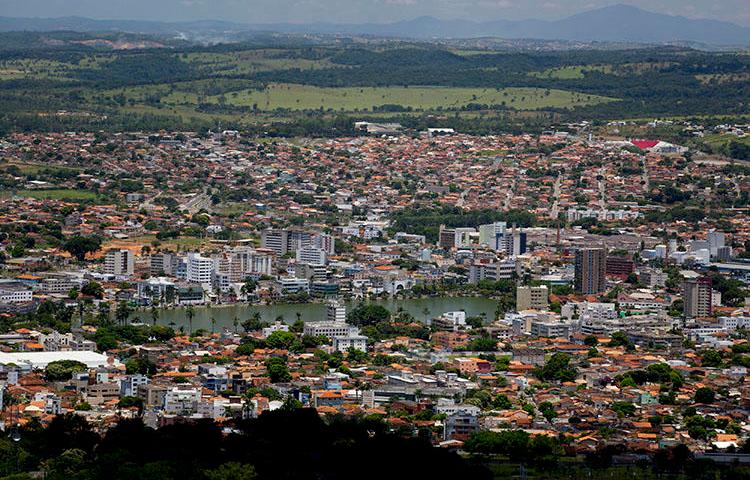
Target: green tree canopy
[(62, 370)]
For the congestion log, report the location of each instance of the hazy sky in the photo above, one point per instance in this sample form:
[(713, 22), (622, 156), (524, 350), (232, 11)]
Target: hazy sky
[(263, 11)]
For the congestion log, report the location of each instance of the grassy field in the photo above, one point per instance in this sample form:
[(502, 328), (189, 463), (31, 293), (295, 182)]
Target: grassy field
[(571, 73), (718, 140), (58, 194), (305, 97), (32, 168), (577, 72), (244, 62)]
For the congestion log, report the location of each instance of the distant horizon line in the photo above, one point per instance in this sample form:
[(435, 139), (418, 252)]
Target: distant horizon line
[(383, 22)]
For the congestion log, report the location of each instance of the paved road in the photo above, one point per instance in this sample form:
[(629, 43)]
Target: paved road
[(555, 210)]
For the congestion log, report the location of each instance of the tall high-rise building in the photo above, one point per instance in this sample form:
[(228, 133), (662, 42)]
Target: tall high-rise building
[(447, 237), (697, 297), (590, 270), (715, 241), (254, 262), (513, 243), (275, 239), (284, 241), (325, 242), (162, 263), (488, 233), (456, 237), (119, 262)]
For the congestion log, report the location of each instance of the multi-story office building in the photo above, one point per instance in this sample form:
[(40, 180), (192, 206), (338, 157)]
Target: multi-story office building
[(357, 342), (325, 242), (119, 262), (130, 384), (590, 271), (252, 262), (511, 242), (724, 254)]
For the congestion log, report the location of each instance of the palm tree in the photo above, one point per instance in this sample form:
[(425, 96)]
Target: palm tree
[(122, 312), (190, 313), (154, 314), (236, 323), (213, 325)]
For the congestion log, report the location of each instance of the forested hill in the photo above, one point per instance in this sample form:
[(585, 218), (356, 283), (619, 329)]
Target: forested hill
[(121, 82)]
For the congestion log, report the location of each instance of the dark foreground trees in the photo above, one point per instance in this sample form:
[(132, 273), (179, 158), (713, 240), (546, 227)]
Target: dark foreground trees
[(283, 444)]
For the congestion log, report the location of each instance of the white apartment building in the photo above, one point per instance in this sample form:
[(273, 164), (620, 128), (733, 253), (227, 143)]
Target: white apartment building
[(492, 271), (181, 400), (450, 321), (199, 269), (591, 312), (335, 312), (255, 262), (275, 327), (357, 342), (58, 284), (15, 293), (603, 215), (330, 329), (550, 329), (294, 285), (312, 256)]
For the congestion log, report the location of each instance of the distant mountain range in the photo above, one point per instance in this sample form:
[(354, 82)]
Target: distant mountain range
[(618, 23)]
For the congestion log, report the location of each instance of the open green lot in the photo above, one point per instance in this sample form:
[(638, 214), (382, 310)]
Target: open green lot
[(58, 194), (306, 97)]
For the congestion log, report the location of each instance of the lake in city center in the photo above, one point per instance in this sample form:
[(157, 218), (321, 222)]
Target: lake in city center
[(422, 309)]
